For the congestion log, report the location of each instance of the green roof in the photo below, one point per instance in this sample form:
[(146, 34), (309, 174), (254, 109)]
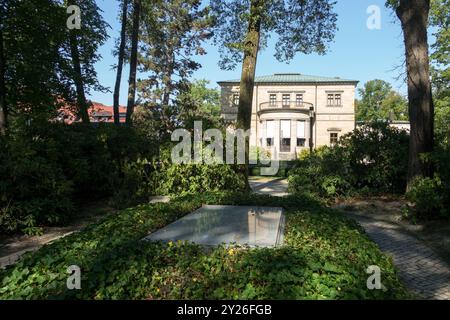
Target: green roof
[(294, 78)]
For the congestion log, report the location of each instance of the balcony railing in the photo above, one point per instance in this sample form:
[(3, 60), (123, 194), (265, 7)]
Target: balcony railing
[(274, 105)]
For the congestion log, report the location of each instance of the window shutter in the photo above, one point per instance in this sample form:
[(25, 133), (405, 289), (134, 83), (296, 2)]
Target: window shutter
[(285, 128), (301, 129), (270, 129)]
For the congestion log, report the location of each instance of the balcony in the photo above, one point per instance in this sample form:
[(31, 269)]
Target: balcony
[(285, 106)]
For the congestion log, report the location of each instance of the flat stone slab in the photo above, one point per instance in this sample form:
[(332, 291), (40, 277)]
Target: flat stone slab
[(215, 225)]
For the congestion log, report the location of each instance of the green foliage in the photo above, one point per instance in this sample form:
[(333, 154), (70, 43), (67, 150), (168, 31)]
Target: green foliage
[(371, 157), (325, 256), (47, 169), (198, 178), (200, 103), (380, 102), (301, 27), (33, 189), (196, 103), (137, 183), (440, 20), (431, 196), (428, 197), (173, 33), (39, 72)]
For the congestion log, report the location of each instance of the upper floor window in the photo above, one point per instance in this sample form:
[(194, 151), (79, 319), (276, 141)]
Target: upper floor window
[(338, 99), (236, 99), (273, 99), (299, 99), (330, 101), (334, 99), (286, 100)]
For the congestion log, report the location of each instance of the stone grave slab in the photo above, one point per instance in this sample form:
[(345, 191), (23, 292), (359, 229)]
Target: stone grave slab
[(215, 225)]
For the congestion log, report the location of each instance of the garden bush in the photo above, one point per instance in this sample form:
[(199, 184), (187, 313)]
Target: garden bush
[(48, 170), (197, 178), (33, 188), (372, 157), (427, 195), (431, 196), (324, 256)]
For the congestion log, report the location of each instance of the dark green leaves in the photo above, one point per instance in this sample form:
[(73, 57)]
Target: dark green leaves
[(301, 27)]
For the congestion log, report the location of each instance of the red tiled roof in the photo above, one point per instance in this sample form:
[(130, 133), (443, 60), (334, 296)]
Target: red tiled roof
[(98, 112), (101, 113)]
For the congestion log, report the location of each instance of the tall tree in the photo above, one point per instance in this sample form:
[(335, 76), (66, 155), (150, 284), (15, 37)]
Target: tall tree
[(440, 58), (251, 48), (380, 102), (200, 102), (82, 47), (3, 109), (43, 56), (242, 28), (133, 59), (121, 56), (33, 76), (173, 35), (414, 15), (82, 104)]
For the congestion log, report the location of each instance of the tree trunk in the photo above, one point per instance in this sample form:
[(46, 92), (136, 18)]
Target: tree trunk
[(133, 60), (167, 78), (413, 15), (167, 82), (248, 77), (3, 109), (120, 62), (78, 78)]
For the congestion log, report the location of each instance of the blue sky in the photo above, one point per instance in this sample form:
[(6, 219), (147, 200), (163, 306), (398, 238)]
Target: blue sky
[(356, 53)]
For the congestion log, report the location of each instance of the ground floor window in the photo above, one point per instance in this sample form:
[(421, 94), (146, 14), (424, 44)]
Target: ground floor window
[(334, 137), (301, 142), (285, 145), (301, 133), (270, 133), (285, 134)]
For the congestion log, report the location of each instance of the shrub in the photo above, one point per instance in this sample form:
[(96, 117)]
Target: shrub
[(198, 178), (372, 157), (33, 188), (317, 173), (377, 155), (428, 197), (138, 182), (48, 169)]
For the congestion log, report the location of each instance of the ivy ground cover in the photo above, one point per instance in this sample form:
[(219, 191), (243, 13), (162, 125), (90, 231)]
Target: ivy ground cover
[(324, 256)]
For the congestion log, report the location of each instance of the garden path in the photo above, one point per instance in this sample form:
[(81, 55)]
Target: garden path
[(270, 186), (420, 267)]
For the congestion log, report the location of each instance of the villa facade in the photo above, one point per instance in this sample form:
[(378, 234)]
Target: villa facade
[(293, 112)]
